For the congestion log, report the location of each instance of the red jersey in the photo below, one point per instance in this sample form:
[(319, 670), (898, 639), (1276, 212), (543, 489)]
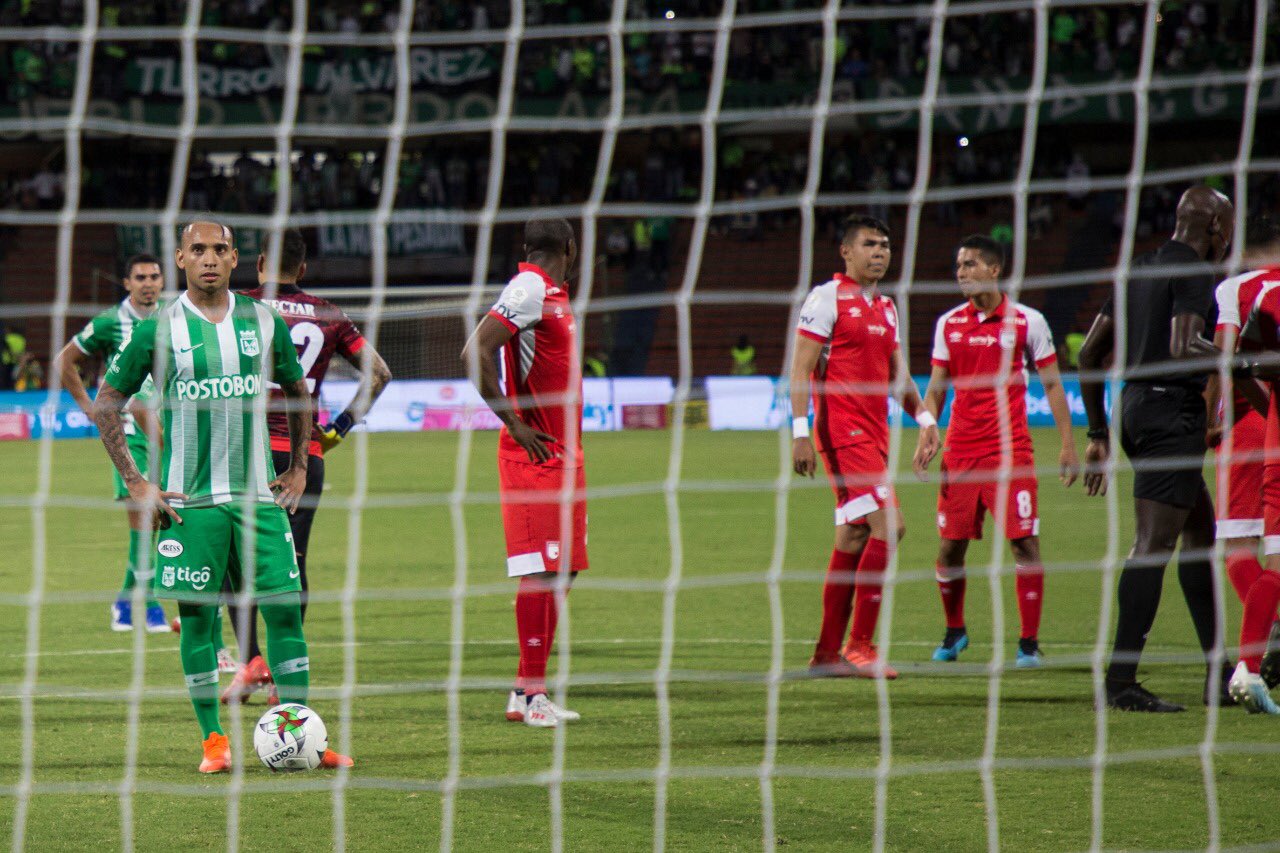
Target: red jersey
[(973, 348), (540, 365), (851, 401), (1235, 297), (319, 329)]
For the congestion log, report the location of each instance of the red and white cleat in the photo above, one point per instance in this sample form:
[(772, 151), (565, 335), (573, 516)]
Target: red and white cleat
[(515, 707), (540, 713)]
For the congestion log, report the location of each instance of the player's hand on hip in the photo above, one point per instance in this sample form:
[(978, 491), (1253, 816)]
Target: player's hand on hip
[(926, 448), (288, 488), (146, 496), (1068, 465), (802, 457), (1096, 456), (533, 441)]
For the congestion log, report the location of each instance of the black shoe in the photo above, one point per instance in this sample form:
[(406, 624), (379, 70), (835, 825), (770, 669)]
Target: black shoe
[(1270, 671), (1135, 697), (1225, 699)]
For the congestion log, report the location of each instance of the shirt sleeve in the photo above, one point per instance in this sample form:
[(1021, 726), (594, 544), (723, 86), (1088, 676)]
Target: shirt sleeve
[(519, 306), (350, 341), (94, 338), (1193, 294), (818, 314), (132, 364), (1040, 340), (284, 355), (941, 356)]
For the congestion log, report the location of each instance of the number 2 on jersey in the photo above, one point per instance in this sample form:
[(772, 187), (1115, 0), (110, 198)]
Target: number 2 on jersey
[(309, 339)]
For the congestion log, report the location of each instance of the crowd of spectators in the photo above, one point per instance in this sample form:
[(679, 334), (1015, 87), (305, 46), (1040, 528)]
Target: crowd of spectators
[(1192, 36)]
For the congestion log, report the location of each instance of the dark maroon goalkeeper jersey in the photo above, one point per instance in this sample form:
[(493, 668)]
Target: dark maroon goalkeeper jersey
[(319, 329)]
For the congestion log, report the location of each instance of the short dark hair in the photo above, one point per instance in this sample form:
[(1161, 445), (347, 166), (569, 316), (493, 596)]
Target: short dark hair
[(211, 220), (1260, 231), (293, 251), (548, 235), (855, 222), (141, 258), (991, 250)]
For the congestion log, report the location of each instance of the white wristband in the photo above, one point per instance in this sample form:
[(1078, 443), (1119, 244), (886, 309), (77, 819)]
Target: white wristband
[(925, 418), (800, 427)]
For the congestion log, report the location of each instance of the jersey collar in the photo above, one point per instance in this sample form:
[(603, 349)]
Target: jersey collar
[(185, 299), (997, 312), (844, 281), (127, 305), (540, 272)]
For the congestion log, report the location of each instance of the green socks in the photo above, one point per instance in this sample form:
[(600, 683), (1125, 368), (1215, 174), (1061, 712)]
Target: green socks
[(200, 663), (131, 569), (286, 647)]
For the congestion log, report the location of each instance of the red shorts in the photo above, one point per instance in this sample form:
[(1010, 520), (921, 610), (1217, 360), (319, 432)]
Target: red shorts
[(859, 476), (530, 496), (1240, 515), (1270, 510), (970, 489)]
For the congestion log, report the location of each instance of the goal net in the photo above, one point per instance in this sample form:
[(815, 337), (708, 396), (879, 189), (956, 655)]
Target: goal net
[(705, 152)]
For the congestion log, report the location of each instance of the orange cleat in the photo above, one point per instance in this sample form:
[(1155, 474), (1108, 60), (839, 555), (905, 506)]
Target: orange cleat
[(217, 754), (830, 666), (866, 662), (252, 677), (336, 759), (176, 625), (273, 698)]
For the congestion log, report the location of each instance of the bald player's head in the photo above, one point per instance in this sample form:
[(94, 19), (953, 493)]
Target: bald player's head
[(1205, 221)]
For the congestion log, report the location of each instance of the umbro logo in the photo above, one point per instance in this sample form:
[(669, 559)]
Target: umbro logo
[(855, 312)]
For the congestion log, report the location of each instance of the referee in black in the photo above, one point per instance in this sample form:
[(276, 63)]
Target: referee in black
[(1169, 306)]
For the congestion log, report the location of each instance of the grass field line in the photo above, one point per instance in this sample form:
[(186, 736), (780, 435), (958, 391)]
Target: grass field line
[(603, 641), (646, 774)]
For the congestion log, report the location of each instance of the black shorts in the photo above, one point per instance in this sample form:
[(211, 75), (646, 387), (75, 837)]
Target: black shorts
[(1162, 432), (300, 521)]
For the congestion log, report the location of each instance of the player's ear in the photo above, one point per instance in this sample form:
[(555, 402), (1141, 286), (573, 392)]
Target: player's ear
[(302, 270), (177, 258), (235, 257), (262, 263)]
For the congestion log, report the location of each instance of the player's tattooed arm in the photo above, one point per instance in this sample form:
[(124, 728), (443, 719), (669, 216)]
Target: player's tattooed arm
[(142, 493), (290, 485)]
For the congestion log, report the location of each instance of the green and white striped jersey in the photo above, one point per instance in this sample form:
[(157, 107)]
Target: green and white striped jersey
[(103, 336), (207, 379)]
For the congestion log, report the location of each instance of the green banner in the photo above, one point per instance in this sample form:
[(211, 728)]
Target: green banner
[(326, 241), (1201, 98)]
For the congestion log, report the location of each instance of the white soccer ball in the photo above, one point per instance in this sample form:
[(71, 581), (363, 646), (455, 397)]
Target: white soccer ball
[(290, 737)]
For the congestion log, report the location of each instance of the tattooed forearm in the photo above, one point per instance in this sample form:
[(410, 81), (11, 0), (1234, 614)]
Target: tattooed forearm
[(298, 403), (106, 414)]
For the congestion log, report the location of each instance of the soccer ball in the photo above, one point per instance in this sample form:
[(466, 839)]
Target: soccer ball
[(290, 737)]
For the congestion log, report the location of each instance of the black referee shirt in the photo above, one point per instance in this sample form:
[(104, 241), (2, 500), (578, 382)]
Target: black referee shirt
[(1153, 300)]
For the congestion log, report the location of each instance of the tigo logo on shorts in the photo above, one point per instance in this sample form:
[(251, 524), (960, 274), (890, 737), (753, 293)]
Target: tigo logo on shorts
[(197, 578), (170, 547)]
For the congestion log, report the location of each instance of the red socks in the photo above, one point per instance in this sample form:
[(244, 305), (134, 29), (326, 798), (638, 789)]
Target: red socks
[(1243, 569), (1259, 613), (837, 604), (536, 617), (951, 585), (866, 595), (1029, 585)]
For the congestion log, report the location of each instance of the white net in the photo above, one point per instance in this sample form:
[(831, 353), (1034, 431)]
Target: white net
[(705, 152)]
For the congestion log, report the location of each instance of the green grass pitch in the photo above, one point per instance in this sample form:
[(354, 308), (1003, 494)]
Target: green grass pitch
[(828, 734)]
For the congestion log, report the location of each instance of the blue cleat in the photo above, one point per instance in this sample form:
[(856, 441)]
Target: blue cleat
[(156, 621), (956, 641), (122, 615), (1029, 656), (1250, 690)]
